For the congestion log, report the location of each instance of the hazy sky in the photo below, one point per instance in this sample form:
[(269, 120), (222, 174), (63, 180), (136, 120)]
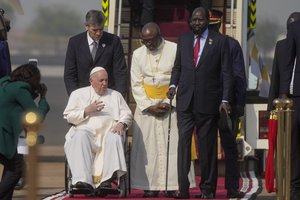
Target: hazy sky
[(276, 10), (29, 7)]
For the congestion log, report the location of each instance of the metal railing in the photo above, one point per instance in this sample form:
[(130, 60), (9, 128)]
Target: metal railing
[(283, 152)]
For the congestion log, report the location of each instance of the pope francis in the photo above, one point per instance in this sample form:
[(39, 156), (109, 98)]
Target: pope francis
[(94, 144)]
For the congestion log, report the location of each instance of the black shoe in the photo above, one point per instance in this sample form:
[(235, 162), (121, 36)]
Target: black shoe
[(205, 196), (150, 194), (105, 184), (235, 194), (182, 195), (84, 186), (295, 194), (170, 194), (21, 183)]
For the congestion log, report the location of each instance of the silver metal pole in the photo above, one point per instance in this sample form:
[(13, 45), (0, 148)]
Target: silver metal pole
[(168, 147), (231, 17), (119, 18)]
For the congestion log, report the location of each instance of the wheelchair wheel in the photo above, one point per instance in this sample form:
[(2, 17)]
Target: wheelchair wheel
[(68, 177)]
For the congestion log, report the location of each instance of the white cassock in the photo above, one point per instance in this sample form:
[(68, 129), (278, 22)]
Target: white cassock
[(150, 78), (93, 152)]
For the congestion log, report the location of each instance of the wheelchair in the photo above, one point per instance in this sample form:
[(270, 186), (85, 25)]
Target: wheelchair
[(119, 186)]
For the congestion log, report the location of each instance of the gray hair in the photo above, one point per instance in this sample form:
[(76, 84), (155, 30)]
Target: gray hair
[(95, 17)]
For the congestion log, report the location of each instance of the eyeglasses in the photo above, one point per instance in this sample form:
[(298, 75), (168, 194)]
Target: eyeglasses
[(149, 41)]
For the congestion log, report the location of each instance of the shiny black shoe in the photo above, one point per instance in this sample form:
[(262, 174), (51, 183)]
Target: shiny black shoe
[(82, 188), (150, 194), (83, 185), (105, 184), (205, 196), (181, 195), (170, 194), (235, 194)]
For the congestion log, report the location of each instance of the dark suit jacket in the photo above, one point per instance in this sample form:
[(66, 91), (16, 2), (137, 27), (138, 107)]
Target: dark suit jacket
[(239, 74), (5, 65), (15, 100), (79, 62), (277, 69), (203, 82), (293, 51)]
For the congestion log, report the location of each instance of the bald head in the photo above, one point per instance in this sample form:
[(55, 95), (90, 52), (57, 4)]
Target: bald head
[(150, 36), (151, 27)]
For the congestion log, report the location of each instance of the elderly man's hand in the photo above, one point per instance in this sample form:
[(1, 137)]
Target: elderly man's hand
[(96, 106), (171, 93), (119, 128), (226, 107)]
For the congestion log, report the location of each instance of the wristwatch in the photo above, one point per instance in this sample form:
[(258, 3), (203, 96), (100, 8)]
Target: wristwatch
[(124, 124)]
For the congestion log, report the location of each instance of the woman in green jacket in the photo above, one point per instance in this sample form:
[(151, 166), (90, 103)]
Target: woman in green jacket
[(17, 94)]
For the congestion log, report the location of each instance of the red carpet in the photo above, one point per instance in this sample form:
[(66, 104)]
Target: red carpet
[(249, 184)]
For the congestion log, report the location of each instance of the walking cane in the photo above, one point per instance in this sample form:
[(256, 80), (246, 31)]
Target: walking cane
[(168, 146)]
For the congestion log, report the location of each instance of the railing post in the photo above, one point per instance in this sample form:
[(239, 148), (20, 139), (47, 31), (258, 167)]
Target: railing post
[(32, 125), (283, 151), (288, 132), (279, 150)]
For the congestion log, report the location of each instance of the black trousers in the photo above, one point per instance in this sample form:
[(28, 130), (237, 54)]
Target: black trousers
[(143, 9), (228, 142), (207, 148), (12, 172), (295, 147)]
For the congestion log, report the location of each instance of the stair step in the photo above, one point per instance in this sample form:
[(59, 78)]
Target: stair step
[(169, 2), (173, 29)]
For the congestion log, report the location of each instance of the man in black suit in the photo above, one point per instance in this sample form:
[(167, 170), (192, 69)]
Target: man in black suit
[(228, 134), (290, 87), (278, 63), (192, 4), (92, 48), (142, 11), (201, 95)]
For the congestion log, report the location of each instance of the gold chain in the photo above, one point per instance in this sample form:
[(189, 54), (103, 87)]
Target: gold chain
[(154, 69)]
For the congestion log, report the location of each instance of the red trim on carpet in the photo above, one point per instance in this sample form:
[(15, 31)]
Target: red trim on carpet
[(249, 184)]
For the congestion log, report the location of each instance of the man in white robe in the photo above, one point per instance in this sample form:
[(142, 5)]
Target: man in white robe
[(94, 144), (150, 76)]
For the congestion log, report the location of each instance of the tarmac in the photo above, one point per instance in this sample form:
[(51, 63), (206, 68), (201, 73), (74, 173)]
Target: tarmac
[(51, 176)]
